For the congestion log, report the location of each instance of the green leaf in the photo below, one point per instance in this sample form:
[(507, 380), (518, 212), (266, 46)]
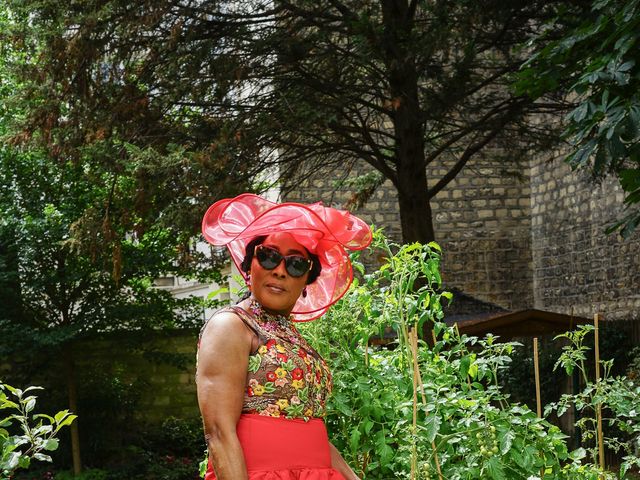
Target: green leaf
[(434, 246), (368, 425), (68, 420), (473, 370), (623, 469), (203, 466), (11, 462), (42, 457), (24, 461), (432, 426), (630, 179), (506, 438), (50, 444), (386, 454), (30, 404), (465, 363), (578, 454), (495, 468), (58, 417), (354, 439)]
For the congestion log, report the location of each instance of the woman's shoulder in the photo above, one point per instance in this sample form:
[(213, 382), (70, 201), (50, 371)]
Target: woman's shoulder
[(228, 319)]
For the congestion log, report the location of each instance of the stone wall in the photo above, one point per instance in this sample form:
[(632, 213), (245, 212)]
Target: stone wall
[(481, 219), (576, 265), (152, 375), (163, 367)]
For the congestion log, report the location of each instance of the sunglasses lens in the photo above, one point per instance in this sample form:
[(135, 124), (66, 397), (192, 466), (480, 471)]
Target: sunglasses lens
[(268, 257), (297, 266)]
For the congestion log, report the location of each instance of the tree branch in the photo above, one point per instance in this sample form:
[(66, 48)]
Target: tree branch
[(469, 152)]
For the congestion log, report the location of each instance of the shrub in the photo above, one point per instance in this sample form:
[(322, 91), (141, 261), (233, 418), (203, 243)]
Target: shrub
[(25, 435), (434, 407)]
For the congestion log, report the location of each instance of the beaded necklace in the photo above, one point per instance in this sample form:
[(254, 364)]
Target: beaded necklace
[(271, 321)]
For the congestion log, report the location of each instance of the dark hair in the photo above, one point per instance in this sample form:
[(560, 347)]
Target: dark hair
[(245, 266)]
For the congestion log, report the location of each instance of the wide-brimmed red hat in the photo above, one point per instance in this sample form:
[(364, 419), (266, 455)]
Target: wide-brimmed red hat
[(324, 231)]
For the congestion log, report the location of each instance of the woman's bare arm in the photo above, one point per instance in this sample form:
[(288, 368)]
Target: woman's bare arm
[(223, 359), (338, 463)]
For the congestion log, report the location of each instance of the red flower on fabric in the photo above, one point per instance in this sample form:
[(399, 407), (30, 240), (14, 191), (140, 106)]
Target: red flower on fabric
[(271, 376), (297, 373), (250, 391), (302, 353), (271, 343), (282, 357)]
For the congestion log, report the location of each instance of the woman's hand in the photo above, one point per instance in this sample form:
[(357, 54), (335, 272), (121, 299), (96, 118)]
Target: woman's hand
[(338, 463), (223, 359)]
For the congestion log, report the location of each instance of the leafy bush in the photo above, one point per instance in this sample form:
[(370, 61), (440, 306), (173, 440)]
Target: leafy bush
[(36, 432), (615, 397), (89, 474), (433, 412)]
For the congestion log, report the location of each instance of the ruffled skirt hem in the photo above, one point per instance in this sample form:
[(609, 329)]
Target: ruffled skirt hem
[(297, 474)]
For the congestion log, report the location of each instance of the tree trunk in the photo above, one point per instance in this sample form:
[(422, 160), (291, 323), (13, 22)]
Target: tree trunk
[(73, 407), (413, 199), (415, 210)]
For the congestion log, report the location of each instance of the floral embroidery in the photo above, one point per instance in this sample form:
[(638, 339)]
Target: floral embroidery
[(286, 377)]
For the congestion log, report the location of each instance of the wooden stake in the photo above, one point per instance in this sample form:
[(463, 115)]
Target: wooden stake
[(536, 372), (414, 453), (418, 383), (596, 321), (366, 352)]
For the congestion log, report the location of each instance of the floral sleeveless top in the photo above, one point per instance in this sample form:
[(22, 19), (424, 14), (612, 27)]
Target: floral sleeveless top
[(286, 376)]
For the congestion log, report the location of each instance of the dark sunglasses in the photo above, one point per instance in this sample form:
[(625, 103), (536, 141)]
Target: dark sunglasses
[(269, 258)]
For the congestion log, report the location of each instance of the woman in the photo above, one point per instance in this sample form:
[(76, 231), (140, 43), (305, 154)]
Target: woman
[(261, 387)]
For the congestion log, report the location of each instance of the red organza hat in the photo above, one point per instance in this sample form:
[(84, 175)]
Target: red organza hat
[(324, 231)]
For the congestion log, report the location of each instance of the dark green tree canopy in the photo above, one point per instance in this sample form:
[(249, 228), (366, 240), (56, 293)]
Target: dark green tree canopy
[(253, 89), (596, 64), (82, 235)]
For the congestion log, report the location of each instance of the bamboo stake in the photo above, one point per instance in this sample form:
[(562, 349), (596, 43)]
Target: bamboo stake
[(366, 352), (596, 321), (414, 453), (418, 378), (536, 371)]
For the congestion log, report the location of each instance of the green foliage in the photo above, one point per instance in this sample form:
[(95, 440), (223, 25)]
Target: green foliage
[(83, 232), (597, 64), (24, 434), (616, 397), (88, 474), (170, 451), (167, 450), (323, 84), (466, 426)]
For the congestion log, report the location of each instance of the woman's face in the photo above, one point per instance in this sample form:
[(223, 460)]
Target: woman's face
[(276, 290)]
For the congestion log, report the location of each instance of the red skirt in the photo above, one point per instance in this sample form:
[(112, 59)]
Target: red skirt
[(284, 449)]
